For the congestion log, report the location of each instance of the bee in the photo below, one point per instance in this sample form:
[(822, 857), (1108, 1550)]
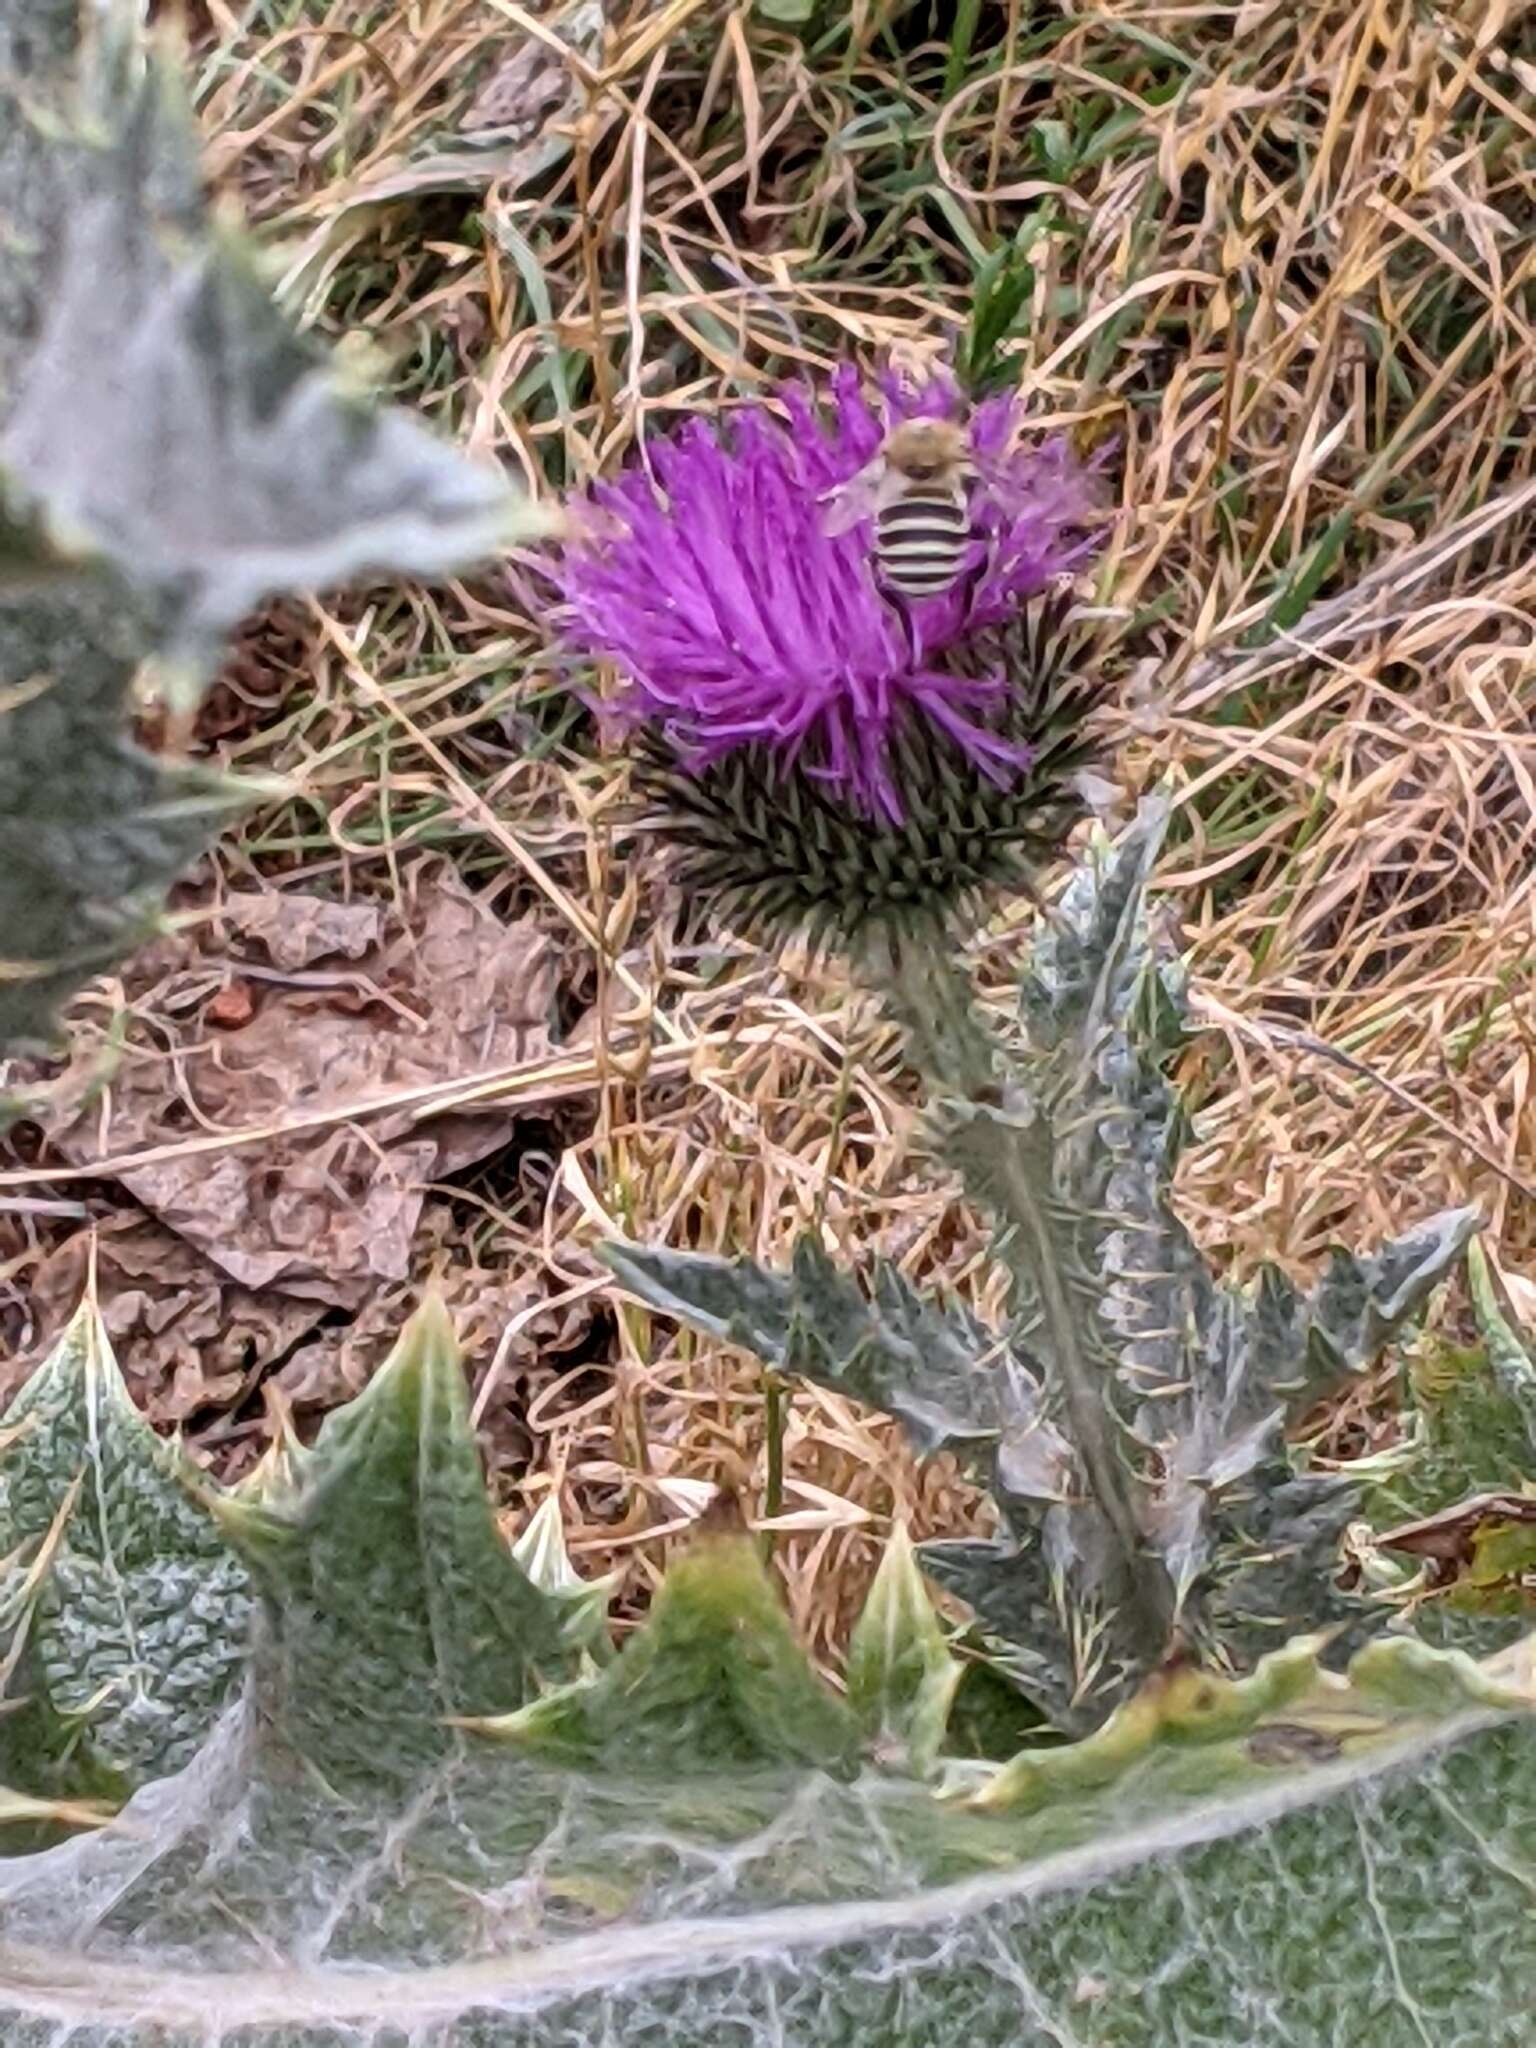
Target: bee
[(917, 492)]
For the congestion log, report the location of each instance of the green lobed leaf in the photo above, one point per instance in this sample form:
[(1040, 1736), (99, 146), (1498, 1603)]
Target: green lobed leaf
[(688, 1849), (391, 1603), (714, 1681), (1360, 1305), (896, 1351), (1297, 1858), (133, 1637)]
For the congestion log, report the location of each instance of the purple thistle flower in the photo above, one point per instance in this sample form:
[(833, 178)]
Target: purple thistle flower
[(737, 619)]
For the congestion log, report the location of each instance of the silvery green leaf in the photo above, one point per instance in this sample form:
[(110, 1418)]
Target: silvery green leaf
[(1131, 1422), (171, 454), (691, 1847), (135, 1634), (1042, 1592), (1174, 1392), (1294, 1859), (935, 1368), (169, 414), (1361, 1304), (38, 44)]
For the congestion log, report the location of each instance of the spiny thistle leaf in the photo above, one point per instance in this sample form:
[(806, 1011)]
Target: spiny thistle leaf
[(1359, 1305), (134, 1636), (170, 418), (1468, 1423), (170, 455), (41, 1749), (1290, 1703), (391, 1601), (715, 1681), (92, 830), (901, 1677), (783, 852), (39, 41), (1173, 1391), (1455, 1506), (896, 1351), (1292, 1857)]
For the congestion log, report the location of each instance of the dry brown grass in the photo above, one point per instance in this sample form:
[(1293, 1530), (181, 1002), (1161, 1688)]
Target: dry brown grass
[(1288, 272)]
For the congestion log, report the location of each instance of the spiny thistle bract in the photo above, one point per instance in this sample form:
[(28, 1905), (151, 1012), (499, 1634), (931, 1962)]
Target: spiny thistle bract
[(1130, 1420), (406, 1810), (829, 755), (778, 850)]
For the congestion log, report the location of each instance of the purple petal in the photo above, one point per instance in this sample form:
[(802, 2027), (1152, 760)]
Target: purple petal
[(736, 618)]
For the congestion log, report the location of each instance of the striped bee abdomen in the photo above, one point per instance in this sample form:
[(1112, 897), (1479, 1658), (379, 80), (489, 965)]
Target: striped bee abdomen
[(921, 542)]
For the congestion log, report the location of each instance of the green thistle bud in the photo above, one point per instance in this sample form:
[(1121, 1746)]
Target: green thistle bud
[(784, 853)]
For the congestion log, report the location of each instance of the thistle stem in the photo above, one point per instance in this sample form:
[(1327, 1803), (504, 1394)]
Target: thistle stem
[(931, 997), (776, 1397)]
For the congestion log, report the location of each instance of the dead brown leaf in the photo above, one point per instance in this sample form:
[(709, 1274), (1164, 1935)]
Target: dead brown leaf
[(187, 1337), (296, 931), (1449, 1540), (533, 86), (435, 988)]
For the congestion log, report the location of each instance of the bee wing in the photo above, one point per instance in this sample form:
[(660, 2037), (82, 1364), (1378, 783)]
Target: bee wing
[(857, 499)]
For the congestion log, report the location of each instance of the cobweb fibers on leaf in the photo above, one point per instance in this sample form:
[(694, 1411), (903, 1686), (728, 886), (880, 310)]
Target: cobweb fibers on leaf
[(829, 754), (425, 1818)]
